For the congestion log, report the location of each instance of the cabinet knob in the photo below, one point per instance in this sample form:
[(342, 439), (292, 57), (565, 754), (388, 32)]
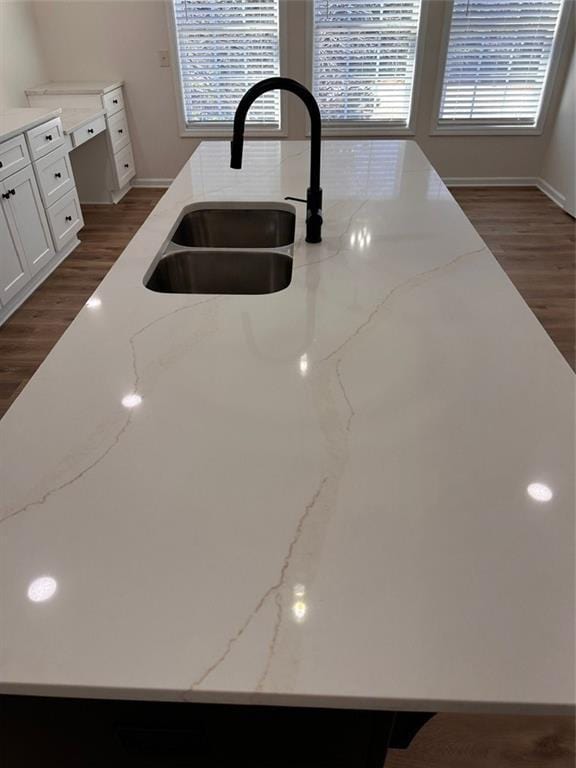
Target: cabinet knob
[(12, 191), (90, 130), (120, 130), (126, 165), (114, 101), (6, 195), (49, 137), (1, 164), (57, 175), (68, 218)]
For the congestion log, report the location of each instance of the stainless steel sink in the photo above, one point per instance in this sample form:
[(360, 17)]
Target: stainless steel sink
[(205, 271), (236, 227)]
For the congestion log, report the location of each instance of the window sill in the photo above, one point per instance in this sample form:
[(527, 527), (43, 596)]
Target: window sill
[(360, 131), (226, 133), (486, 130)]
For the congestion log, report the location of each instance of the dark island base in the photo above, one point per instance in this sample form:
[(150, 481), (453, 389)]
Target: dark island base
[(89, 733)]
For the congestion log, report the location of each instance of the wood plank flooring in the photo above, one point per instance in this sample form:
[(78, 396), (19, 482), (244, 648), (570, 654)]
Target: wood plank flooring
[(534, 242)]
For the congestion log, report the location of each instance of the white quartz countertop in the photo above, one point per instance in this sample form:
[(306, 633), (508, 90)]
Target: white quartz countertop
[(20, 119), (74, 118), (321, 498), (74, 87)]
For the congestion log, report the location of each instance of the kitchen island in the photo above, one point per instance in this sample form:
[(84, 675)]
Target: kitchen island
[(355, 493)]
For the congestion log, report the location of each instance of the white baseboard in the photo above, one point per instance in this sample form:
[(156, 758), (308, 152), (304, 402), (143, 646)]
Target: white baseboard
[(490, 181), (450, 181), (507, 181), (151, 182), (552, 193)]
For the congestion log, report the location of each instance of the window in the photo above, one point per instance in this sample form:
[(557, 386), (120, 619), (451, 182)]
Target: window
[(364, 60), (224, 47), (498, 60)]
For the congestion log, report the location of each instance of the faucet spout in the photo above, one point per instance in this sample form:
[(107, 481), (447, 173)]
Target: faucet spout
[(314, 191)]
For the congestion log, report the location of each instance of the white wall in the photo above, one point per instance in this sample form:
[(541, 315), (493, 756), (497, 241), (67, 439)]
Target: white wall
[(120, 39), (559, 167), (97, 39), (21, 57)]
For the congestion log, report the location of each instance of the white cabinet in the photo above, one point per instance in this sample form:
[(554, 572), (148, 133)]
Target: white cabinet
[(113, 101), (86, 132), (65, 219), (14, 271), (45, 138), (13, 156), (23, 207), (55, 175), (119, 160), (39, 210)]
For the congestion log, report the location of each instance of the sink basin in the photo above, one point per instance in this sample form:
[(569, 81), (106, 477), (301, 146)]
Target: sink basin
[(202, 271), (236, 227)]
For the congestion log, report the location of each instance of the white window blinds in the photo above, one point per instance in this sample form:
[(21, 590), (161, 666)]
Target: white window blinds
[(224, 47), (497, 61), (364, 58)]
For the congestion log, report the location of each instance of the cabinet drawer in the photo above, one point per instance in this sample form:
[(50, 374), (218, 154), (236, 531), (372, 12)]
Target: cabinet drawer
[(118, 127), (55, 175), (65, 218), (124, 162), (44, 138), (88, 131), (13, 156), (113, 101)]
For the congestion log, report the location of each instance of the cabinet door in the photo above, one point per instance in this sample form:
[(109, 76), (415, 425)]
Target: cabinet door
[(26, 218), (14, 271)]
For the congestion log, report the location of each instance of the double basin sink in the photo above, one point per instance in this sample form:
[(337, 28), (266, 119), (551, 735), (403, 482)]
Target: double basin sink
[(234, 248)]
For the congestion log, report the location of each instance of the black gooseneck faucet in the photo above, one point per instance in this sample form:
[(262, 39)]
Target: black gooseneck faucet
[(314, 191)]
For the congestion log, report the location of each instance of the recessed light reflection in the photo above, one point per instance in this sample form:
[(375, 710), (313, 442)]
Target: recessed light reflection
[(362, 237), (303, 365), (94, 302), (132, 400), (42, 589), (299, 606), (540, 492)]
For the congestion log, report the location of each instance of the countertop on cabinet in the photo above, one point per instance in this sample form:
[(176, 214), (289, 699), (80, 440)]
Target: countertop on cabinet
[(21, 119), (74, 118), (74, 87), (322, 497)]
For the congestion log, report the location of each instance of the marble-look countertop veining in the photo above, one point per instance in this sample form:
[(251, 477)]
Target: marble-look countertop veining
[(19, 119), (323, 495)]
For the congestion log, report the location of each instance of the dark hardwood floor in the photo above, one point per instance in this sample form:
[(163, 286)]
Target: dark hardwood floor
[(533, 241)]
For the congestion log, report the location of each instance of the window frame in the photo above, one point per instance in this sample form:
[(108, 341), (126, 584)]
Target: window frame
[(205, 131), (494, 129), (367, 128)]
